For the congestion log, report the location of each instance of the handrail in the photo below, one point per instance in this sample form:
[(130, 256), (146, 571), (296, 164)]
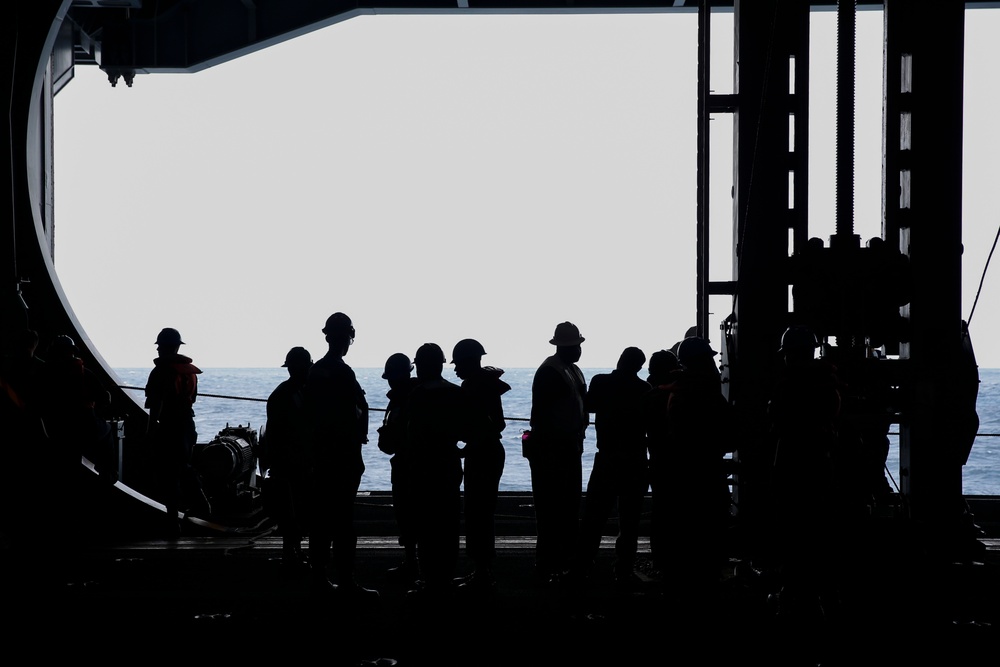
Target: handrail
[(522, 419)]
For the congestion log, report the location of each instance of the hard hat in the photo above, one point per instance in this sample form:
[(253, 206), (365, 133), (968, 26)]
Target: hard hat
[(169, 336), (662, 362), (567, 333), (397, 366), (339, 323), (693, 347), (297, 357), (467, 348), (63, 345), (429, 353), (798, 338)]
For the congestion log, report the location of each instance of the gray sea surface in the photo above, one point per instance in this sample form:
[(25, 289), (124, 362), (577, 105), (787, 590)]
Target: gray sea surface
[(237, 397)]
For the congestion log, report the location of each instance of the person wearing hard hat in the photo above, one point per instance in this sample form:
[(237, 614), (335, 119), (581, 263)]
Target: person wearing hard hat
[(337, 413), (803, 410), (285, 442), (701, 430), (171, 391), (484, 459), (392, 441), (437, 415), (554, 448)]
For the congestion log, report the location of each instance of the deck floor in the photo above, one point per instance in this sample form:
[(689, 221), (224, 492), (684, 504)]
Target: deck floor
[(229, 598)]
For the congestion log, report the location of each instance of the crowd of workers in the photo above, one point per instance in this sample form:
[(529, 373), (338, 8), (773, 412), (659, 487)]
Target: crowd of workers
[(667, 436)]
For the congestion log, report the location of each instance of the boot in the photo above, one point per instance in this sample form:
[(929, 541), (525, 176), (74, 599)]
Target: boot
[(352, 590), (480, 580), (626, 576), (406, 572), (320, 584)]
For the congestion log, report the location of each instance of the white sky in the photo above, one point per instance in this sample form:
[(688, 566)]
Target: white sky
[(442, 177)]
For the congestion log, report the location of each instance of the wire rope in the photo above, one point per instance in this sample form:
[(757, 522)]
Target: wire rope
[(982, 278)]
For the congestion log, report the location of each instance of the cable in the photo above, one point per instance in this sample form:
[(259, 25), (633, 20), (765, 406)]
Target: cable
[(264, 400), (982, 279)]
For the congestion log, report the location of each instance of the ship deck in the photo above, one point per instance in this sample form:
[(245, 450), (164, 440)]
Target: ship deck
[(204, 596)]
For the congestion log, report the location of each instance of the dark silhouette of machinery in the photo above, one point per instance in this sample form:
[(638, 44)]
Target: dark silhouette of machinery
[(227, 466)]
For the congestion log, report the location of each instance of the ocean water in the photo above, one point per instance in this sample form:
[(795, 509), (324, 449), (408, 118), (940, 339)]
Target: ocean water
[(237, 397)]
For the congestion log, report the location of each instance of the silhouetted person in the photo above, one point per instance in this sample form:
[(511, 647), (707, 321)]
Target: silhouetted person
[(21, 416), (72, 400), (866, 415), (554, 449), (20, 378), (965, 385), (803, 411), (30, 547), (663, 370), (619, 475), (338, 420), (437, 415), (286, 447), (484, 458), (171, 391), (961, 403), (392, 440), (700, 433)]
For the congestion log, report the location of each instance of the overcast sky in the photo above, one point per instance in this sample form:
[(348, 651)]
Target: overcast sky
[(442, 177)]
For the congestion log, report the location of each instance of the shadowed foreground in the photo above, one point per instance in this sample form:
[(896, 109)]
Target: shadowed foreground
[(230, 598)]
